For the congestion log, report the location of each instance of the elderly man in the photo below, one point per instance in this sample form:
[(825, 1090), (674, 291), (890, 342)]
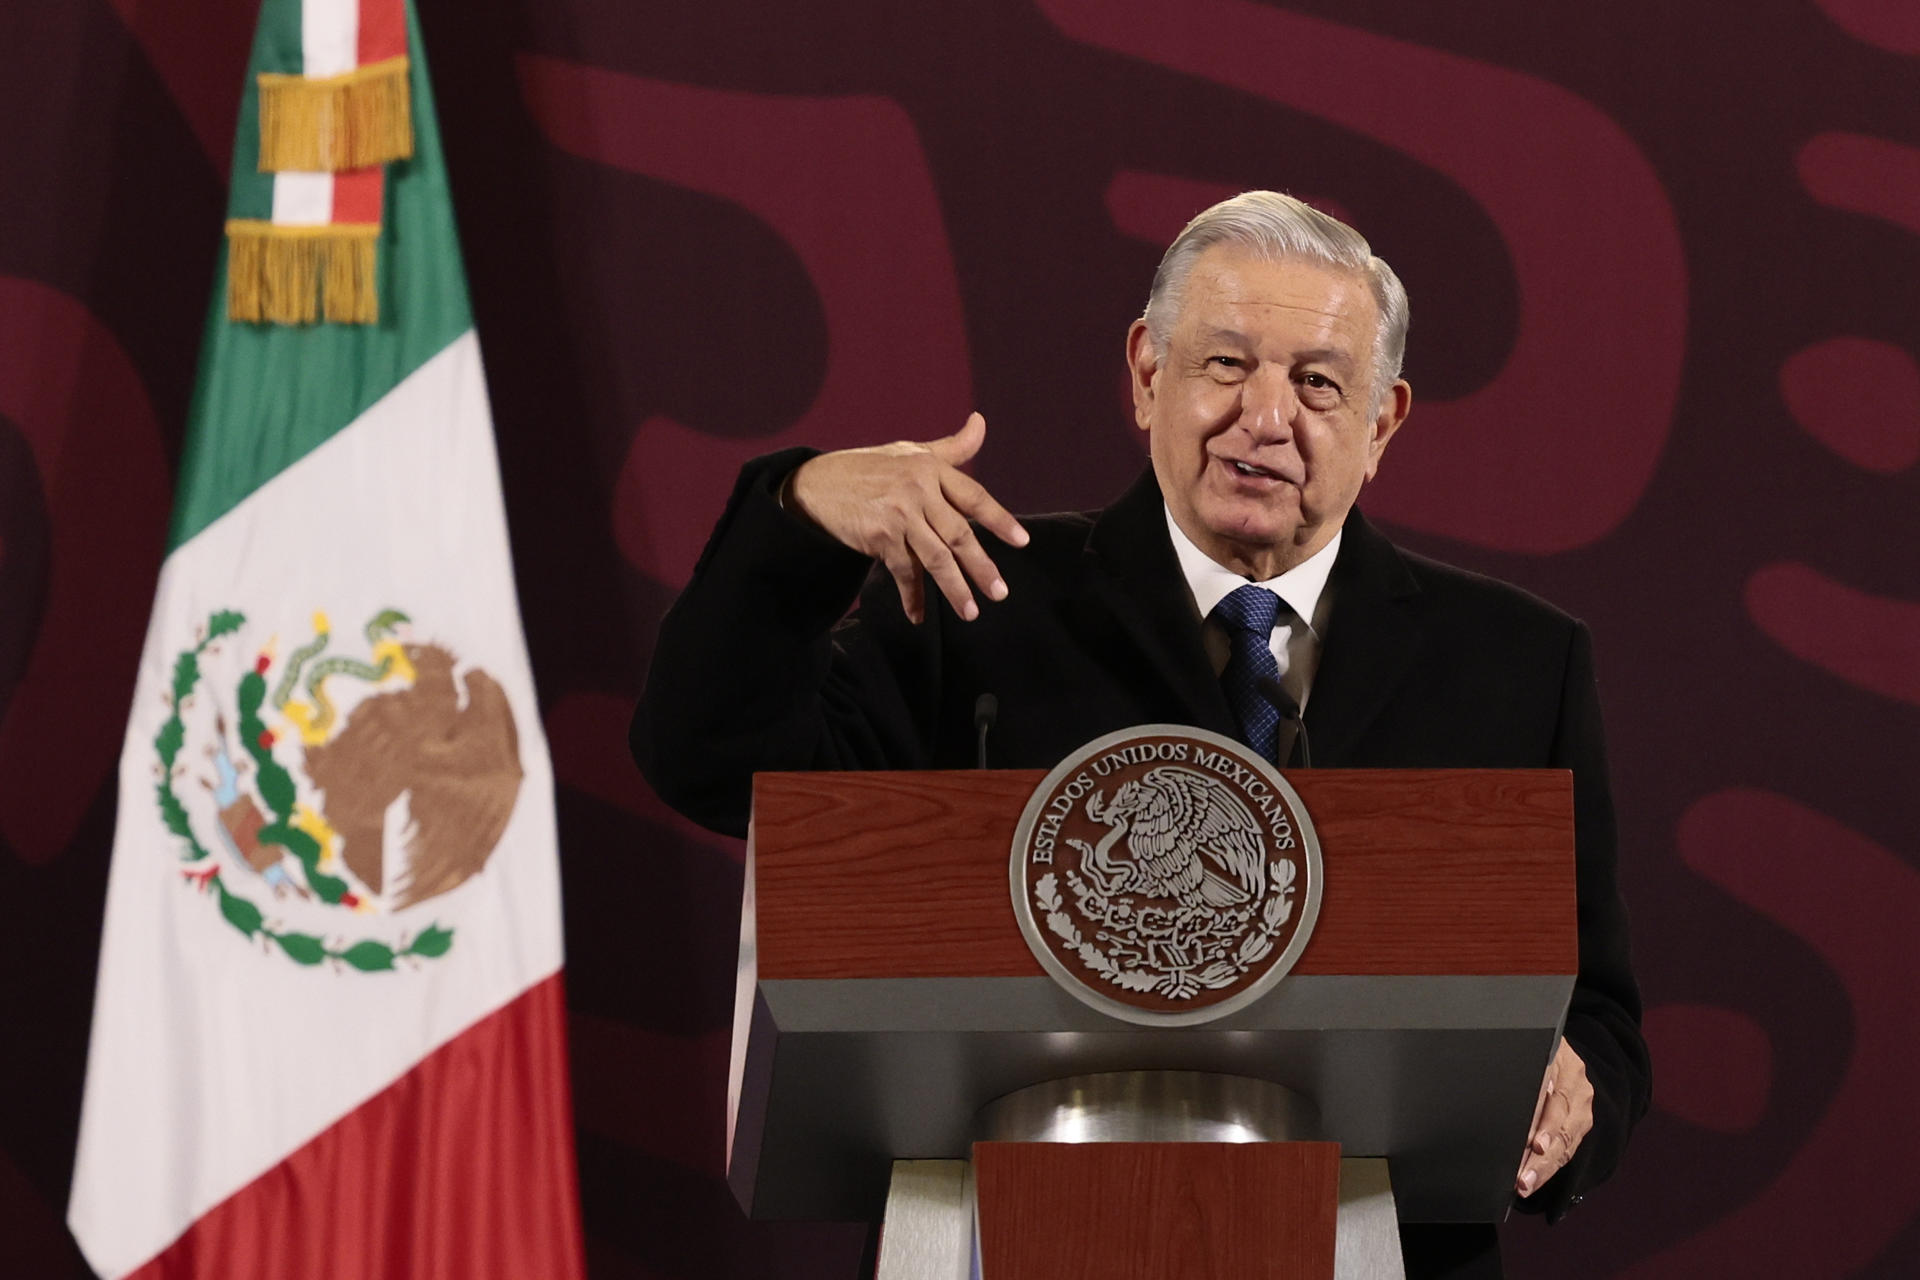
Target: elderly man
[(1236, 576)]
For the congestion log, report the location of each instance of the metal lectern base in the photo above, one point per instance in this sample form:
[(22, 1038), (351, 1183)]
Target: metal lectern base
[(1150, 1106), (928, 1233), (931, 1232)]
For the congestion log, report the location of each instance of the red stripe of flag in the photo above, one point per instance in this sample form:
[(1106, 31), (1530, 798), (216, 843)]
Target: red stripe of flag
[(383, 30), (358, 193), (462, 1169)]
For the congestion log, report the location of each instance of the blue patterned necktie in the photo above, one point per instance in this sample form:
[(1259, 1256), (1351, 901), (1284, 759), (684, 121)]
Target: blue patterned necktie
[(1249, 616)]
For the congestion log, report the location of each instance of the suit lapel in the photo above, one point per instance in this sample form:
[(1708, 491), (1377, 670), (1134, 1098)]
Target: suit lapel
[(1132, 588), (1132, 585), (1372, 638)]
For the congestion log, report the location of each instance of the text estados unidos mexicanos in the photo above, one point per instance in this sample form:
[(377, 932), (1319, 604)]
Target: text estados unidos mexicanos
[(1047, 833)]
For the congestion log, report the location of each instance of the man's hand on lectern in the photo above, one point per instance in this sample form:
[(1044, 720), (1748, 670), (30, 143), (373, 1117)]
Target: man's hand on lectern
[(1561, 1119), (907, 506)]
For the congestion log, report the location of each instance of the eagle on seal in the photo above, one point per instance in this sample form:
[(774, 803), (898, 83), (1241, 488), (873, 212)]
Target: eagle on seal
[(1188, 838), (459, 767)]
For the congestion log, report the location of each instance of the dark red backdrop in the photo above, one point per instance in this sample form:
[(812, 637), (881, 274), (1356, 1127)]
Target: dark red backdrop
[(1663, 260)]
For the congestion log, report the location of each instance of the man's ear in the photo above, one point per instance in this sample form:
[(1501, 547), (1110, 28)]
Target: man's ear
[(1143, 362), (1394, 407)]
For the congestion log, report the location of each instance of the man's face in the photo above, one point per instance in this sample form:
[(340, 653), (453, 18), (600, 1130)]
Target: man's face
[(1260, 414)]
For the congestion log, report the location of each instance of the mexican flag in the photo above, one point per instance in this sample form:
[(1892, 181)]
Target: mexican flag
[(329, 1035)]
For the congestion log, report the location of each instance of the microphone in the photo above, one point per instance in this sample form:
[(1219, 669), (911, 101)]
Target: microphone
[(986, 709), (1276, 693)]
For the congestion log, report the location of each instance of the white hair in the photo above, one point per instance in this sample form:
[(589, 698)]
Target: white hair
[(1278, 226)]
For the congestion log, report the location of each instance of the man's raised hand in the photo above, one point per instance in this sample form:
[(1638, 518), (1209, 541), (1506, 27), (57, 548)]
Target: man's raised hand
[(907, 505)]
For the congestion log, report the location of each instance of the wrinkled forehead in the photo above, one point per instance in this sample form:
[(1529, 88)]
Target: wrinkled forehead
[(1232, 292)]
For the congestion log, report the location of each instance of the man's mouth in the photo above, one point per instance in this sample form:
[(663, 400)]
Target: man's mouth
[(1249, 469)]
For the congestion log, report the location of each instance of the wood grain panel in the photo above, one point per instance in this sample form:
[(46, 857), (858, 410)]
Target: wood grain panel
[(1157, 1211), (1427, 871)]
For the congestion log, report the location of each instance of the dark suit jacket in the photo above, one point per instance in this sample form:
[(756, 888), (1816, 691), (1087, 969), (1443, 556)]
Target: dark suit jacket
[(760, 666)]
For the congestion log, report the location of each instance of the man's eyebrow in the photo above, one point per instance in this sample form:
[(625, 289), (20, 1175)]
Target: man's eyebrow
[(1336, 356), (1326, 355)]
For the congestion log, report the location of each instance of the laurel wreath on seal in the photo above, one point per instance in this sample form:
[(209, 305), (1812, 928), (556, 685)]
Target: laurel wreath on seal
[(1175, 984), (369, 955)]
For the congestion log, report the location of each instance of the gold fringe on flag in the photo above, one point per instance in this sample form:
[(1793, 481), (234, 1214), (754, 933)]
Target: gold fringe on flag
[(296, 275), (353, 120)]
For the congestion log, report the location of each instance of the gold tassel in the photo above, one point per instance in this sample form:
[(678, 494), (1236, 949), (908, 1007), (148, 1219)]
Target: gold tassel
[(354, 120), (296, 275)]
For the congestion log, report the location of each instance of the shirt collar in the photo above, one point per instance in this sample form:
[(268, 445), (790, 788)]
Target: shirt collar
[(1211, 582)]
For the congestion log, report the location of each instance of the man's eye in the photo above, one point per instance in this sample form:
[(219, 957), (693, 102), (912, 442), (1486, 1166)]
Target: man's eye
[(1224, 362), (1320, 380)]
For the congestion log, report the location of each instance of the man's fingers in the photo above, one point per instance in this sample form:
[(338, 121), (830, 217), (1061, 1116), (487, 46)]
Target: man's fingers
[(1540, 1103), (1546, 1148), (906, 579), (958, 449), (1564, 1117), (1552, 1128), (968, 495), (1534, 1173), (1568, 1115), (938, 560), (952, 529), (907, 504), (971, 498)]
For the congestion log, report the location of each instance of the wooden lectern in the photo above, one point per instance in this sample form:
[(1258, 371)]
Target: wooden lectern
[(887, 997)]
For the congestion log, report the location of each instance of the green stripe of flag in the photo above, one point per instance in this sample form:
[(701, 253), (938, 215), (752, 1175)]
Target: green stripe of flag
[(270, 394), (277, 40), (250, 194)]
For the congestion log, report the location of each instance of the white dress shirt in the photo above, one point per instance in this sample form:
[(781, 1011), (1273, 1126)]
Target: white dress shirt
[(1304, 587)]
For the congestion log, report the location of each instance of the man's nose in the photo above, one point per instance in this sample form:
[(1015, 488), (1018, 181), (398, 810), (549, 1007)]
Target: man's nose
[(1268, 406)]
